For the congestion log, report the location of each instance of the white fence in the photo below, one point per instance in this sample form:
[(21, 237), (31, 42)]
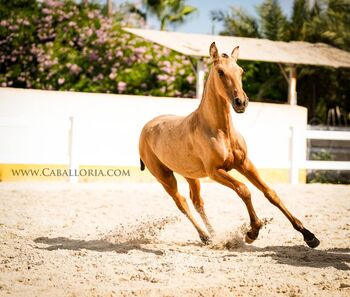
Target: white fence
[(48, 127), (317, 165)]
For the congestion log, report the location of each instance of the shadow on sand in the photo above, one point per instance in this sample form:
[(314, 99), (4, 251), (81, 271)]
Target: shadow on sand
[(99, 245), (299, 255), (302, 256)]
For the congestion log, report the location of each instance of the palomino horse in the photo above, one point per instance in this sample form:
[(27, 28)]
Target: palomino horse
[(205, 143)]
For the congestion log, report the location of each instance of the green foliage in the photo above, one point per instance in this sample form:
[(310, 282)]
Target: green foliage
[(322, 156), (171, 12), (61, 45), (273, 23), (327, 176), (237, 23)]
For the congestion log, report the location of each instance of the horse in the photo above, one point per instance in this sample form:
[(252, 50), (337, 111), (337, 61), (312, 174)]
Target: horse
[(206, 144)]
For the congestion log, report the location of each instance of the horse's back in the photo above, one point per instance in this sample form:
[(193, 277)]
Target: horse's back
[(161, 125)]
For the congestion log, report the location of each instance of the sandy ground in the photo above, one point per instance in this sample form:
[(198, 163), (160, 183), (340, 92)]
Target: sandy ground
[(130, 240)]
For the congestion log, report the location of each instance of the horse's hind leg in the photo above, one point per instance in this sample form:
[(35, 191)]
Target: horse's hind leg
[(198, 202), (170, 185), (248, 170), (166, 177)]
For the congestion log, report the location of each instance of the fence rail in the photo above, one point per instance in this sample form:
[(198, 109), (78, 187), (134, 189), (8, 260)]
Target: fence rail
[(316, 165), (68, 153)]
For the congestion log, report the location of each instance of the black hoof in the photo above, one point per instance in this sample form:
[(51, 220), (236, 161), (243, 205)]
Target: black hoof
[(310, 239), (248, 239), (205, 239), (313, 243), (251, 236)]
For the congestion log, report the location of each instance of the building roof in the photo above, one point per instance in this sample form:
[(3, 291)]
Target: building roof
[(253, 49)]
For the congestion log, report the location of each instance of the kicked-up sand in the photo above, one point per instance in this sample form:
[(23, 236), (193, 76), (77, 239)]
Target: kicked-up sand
[(129, 239)]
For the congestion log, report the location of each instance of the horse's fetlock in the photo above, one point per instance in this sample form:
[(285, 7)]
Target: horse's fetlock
[(257, 224)]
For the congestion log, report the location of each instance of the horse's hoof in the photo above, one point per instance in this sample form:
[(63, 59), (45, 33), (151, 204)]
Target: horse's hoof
[(313, 243), (205, 239), (248, 239), (251, 235), (310, 238)]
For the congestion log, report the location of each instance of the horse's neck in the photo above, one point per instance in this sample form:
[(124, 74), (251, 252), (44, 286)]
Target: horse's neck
[(214, 109)]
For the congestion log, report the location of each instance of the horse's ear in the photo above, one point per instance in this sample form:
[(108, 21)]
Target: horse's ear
[(235, 53), (213, 52)]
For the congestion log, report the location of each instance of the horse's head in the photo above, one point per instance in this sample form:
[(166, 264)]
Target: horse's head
[(228, 76)]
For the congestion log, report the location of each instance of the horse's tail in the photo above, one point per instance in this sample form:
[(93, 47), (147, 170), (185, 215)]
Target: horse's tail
[(142, 165)]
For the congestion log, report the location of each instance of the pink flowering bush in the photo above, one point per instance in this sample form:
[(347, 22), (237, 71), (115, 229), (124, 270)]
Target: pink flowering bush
[(62, 45)]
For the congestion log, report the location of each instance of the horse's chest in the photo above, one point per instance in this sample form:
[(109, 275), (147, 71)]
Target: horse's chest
[(236, 155), (229, 162)]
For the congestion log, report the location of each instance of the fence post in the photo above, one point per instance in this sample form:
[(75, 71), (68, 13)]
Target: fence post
[(294, 161), (73, 166)]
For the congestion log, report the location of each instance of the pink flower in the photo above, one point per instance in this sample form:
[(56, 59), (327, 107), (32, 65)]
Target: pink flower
[(140, 50), (122, 86), (167, 69), (190, 79), (61, 81), (74, 68), (162, 77), (89, 32), (177, 93), (112, 75)]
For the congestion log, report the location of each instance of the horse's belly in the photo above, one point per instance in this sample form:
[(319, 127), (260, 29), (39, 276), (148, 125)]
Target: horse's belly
[(183, 162)]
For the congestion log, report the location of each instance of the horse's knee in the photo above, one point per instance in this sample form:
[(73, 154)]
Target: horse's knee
[(272, 197)]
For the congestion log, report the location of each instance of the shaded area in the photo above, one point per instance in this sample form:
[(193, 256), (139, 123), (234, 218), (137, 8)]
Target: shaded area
[(302, 256), (98, 245)]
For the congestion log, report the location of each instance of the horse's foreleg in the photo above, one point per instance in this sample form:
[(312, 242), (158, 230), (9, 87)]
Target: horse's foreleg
[(222, 177), (198, 202), (249, 171)]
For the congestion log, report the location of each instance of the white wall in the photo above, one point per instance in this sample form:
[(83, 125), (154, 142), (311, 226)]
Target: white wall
[(34, 127)]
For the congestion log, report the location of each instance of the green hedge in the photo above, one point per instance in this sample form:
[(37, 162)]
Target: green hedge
[(62, 45)]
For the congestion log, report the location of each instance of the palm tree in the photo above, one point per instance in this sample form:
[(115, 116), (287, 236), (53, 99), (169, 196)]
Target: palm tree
[(237, 23), (273, 23), (171, 12)]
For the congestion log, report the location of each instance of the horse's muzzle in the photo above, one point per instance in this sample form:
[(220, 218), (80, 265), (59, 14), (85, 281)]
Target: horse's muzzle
[(239, 105)]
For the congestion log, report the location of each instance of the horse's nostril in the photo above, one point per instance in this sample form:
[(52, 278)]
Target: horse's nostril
[(238, 102)]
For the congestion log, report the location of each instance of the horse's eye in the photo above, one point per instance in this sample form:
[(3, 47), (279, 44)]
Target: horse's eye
[(221, 73)]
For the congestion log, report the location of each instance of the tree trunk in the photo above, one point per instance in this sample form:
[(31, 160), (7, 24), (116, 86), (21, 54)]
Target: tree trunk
[(163, 24), (109, 8)]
